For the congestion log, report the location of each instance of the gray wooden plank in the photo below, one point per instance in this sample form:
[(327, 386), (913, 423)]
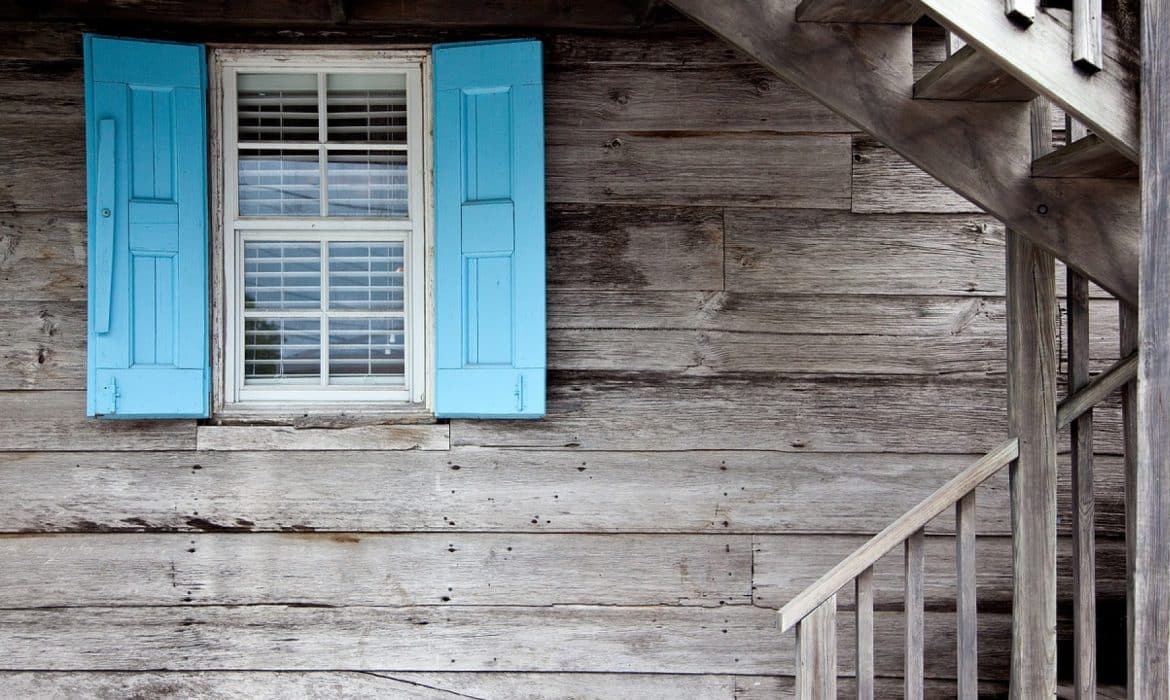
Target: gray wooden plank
[(769, 688), (967, 597), (863, 592), (887, 12), (55, 420), (980, 150), (344, 569), (44, 167), (473, 489), (42, 256), (1128, 342), (631, 247), (1032, 418), (349, 685), (1082, 496), (970, 75), (1087, 156), (423, 436), (831, 253), (694, 640), (683, 96), (42, 345), (816, 653), (886, 183), (1150, 548), (914, 642), (622, 167), (52, 87)]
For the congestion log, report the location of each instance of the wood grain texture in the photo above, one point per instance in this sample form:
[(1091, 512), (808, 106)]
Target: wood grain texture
[(364, 437), (42, 257), (833, 253), (1150, 546), (863, 655), (351, 685), (886, 183), (967, 596), (44, 169), (346, 569), (867, 74), (914, 567), (888, 12), (970, 75), (816, 653), (55, 420), (473, 489), (685, 96), (1032, 418), (644, 167), (1087, 156), (607, 411), (548, 639), (42, 345), (629, 247)]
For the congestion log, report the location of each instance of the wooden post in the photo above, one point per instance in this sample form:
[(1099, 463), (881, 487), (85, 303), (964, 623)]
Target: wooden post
[(915, 561), (1149, 546), (864, 588), (1031, 313), (966, 599), (816, 653), (1083, 505)]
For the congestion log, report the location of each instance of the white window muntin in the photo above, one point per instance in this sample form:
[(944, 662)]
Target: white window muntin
[(408, 230)]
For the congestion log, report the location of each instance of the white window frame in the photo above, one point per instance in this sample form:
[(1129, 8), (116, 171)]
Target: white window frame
[(232, 394)]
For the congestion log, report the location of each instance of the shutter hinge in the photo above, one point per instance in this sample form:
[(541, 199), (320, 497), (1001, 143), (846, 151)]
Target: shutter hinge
[(107, 403), (520, 393)]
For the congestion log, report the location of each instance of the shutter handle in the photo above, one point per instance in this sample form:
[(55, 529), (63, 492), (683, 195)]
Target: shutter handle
[(520, 393), (106, 175)]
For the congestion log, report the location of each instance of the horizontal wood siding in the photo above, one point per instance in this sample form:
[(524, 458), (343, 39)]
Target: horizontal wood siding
[(769, 336)]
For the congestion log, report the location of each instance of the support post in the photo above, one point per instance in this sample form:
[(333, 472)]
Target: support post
[(1149, 545), (1031, 313)]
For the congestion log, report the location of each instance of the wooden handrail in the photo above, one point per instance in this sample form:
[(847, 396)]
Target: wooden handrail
[(1121, 373), (912, 521)]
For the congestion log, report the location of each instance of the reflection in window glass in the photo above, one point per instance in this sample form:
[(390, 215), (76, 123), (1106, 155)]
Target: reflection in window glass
[(366, 276), (367, 183), (282, 349), (279, 183), (277, 107), (367, 350), (366, 108), (280, 276)]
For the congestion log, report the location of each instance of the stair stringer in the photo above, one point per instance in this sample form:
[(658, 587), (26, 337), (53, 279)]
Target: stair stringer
[(982, 151)]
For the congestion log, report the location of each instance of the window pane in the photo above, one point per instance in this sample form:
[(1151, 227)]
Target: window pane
[(367, 351), (279, 183), (277, 107), (366, 276), (367, 183), (280, 275), (366, 107), (286, 350)]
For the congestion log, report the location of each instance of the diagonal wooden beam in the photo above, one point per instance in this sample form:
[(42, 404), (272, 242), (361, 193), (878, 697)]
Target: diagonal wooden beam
[(1106, 101), (981, 150)]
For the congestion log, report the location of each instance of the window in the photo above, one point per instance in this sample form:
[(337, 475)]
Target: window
[(323, 234)]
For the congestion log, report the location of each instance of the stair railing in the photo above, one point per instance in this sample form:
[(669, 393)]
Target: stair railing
[(814, 611)]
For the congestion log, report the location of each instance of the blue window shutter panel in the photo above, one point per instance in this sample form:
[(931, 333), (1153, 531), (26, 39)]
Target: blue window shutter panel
[(489, 230), (146, 153)]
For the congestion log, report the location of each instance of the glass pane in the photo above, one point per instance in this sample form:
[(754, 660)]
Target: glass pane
[(277, 107), (286, 350), (282, 275), (279, 183), (366, 108), (367, 183), (366, 276), (367, 351)]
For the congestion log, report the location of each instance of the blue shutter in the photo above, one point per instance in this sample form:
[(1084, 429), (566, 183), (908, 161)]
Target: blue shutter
[(489, 230), (146, 148)]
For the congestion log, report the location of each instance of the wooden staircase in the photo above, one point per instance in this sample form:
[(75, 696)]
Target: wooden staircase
[(856, 57), (979, 123)]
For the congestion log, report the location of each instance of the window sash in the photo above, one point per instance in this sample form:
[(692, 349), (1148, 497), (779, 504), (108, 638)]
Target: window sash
[(406, 230)]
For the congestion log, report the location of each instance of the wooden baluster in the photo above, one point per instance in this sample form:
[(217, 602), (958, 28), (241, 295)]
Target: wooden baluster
[(1087, 35), (864, 586), (915, 615), (1084, 578), (966, 597), (1020, 11), (1073, 130), (1128, 343), (816, 653)]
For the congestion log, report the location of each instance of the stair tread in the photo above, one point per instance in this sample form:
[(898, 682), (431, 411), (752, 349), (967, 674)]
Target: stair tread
[(969, 75), (862, 11), (1089, 156)]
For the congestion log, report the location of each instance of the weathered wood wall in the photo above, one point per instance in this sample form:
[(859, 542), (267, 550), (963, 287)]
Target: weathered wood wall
[(769, 336)]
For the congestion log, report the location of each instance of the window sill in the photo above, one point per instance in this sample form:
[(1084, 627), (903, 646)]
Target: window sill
[(321, 415)]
